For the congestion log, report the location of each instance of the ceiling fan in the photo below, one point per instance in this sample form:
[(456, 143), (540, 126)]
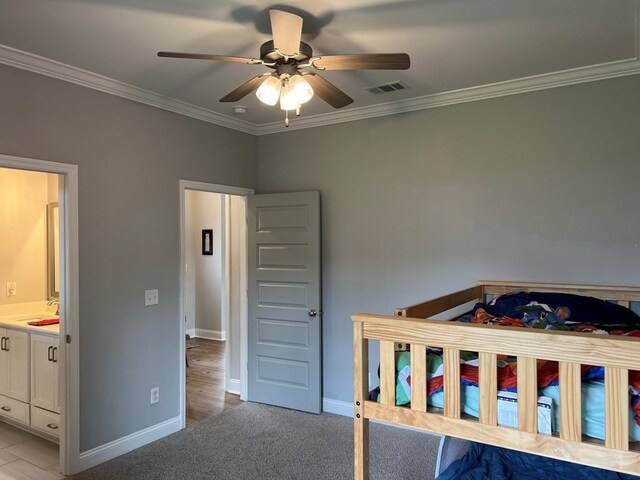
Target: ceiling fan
[(293, 80)]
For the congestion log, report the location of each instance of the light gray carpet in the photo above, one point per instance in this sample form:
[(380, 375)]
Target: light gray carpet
[(253, 441)]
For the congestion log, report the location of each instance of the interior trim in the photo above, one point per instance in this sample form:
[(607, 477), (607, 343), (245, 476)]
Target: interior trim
[(123, 445), (545, 81), (217, 335), (337, 407), (44, 66), (61, 71)]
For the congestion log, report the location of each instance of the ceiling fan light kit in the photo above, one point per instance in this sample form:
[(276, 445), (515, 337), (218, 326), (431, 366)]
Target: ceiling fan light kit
[(294, 82), (269, 92)]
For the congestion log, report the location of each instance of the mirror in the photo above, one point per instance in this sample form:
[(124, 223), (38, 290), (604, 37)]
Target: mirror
[(53, 249)]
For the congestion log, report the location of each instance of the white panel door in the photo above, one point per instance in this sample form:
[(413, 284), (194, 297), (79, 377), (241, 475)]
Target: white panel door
[(285, 317)]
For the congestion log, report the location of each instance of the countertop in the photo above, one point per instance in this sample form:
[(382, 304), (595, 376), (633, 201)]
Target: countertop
[(20, 322)]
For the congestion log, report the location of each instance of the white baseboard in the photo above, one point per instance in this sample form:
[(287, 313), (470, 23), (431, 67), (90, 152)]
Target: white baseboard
[(338, 407), (191, 332), (233, 386), (221, 336), (123, 445)]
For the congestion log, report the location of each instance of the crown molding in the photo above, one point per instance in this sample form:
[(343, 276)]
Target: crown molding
[(44, 66), (500, 89), (51, 68)]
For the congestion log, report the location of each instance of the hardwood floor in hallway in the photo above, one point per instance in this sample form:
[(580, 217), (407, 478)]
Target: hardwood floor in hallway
[(205, 380)]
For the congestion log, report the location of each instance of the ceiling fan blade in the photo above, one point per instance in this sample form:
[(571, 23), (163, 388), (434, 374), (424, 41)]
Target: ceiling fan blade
[(373, 61), (287, 31), (245, 89), (204, 56), (328, 91)]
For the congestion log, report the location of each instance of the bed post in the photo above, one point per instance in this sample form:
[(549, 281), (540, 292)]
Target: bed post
[(360, 392)]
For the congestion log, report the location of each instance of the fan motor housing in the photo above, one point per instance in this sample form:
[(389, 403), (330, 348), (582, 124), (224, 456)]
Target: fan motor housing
[(268, 53)]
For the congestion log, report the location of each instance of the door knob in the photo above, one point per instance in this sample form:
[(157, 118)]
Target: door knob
[(312, 313)]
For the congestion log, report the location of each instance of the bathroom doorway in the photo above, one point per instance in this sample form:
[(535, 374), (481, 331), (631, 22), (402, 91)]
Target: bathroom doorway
[(213, 298), (38, 313)]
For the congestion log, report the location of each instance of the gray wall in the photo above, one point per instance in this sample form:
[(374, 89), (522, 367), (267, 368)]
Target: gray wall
[(130, 159), (204, 210), (540, 186)]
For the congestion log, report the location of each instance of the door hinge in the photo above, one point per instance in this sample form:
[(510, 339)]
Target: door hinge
[(68, 339)]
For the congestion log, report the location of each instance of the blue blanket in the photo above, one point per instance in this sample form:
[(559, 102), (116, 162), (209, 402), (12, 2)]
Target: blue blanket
[(484, 462)]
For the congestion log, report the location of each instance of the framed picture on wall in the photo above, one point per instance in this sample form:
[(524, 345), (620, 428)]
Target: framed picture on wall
[(207, 242)]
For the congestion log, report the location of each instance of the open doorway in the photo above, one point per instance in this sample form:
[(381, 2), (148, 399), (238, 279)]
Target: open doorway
[(213, 287), (42, 362)]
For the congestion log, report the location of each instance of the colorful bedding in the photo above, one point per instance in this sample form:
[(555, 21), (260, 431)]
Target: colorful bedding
[(543, 311), (592, 388), (485, 462)]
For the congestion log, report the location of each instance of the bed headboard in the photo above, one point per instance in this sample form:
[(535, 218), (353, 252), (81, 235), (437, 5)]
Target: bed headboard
[(623, 295)]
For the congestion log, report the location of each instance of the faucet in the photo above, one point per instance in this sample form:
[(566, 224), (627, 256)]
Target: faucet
[(56, 302)]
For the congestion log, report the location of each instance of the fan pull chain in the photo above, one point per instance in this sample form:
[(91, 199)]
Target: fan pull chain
[(286, 118)]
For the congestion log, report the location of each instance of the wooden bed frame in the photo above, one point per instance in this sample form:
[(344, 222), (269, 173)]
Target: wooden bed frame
[(411, 325)]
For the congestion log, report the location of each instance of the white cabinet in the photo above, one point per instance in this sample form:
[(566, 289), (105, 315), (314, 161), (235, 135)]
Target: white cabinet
[(45, 421), (44, 372), (14, 364), (29, 379)]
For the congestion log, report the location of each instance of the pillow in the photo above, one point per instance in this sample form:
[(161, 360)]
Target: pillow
[(583, 309)]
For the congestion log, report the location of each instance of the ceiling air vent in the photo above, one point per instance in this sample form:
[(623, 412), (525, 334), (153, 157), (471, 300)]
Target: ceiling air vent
[(388, 88)]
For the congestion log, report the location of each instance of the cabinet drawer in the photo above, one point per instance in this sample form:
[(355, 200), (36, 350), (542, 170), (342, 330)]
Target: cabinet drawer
[(45, 421), (14, 409)]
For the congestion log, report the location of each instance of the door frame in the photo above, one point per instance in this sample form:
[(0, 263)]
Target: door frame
[(225, 190), (69, 373)]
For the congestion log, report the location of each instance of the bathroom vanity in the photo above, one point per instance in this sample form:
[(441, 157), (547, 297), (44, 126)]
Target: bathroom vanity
[(29, 373)]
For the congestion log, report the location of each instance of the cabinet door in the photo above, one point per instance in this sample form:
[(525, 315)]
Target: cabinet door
[(4, 366), (44, 372), (18, 365)]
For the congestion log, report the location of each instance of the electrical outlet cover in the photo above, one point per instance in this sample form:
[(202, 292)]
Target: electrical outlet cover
[(150, 297), (155, 395)]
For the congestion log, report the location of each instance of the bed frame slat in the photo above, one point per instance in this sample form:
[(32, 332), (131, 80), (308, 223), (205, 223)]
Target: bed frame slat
[(387, 373), (360, 389), (585, 453), (616, 381), (570, 401), (451, 363), (527, 395), (488, 378), (419, 377)]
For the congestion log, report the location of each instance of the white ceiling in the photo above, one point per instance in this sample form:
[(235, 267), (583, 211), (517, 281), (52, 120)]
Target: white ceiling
[(453, 44)]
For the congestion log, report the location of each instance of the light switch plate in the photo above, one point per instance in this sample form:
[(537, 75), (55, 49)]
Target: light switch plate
[(150, 297)]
